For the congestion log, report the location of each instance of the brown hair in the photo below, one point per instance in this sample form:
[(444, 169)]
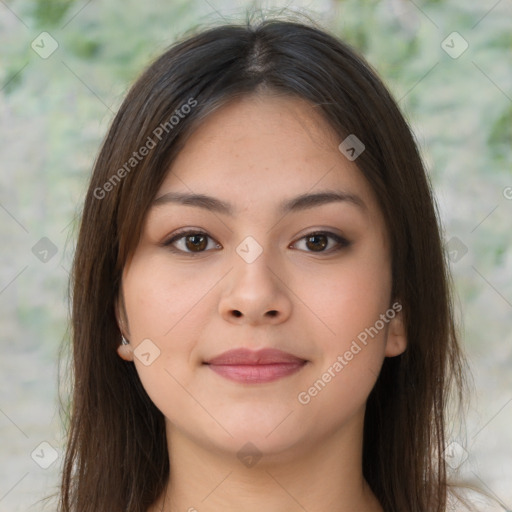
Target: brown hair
[(116, 458)]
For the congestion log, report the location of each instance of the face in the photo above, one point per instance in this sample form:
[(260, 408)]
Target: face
[(263, 237)]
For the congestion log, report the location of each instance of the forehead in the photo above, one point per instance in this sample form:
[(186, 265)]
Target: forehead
[(258, 150)]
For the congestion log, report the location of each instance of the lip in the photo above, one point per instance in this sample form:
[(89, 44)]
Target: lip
[(249, 366)]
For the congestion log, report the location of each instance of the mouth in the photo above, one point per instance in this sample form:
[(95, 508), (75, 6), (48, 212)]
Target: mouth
[(254, 367)]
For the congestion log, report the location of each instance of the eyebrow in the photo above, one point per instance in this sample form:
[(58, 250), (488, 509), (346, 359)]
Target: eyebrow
[(295, 204)]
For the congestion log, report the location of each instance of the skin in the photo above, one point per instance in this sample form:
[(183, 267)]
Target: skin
[(255, 153)]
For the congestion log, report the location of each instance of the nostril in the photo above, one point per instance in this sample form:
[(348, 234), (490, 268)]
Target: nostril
[(272, 313), (237, 313)]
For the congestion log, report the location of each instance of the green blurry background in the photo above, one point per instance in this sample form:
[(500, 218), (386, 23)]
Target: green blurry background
[(55, 111)]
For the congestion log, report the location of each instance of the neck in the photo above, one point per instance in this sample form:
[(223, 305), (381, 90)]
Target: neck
[(316, 477)]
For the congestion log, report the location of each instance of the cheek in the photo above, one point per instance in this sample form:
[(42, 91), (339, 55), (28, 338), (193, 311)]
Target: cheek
[(350, 298), (169, 309), (350, 302), (353, 349), (159, 299)]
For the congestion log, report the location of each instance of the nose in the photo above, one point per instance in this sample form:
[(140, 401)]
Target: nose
[(255, 294)]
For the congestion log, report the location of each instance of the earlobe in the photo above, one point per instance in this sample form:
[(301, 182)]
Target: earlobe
[(396, 341), (125, 352)]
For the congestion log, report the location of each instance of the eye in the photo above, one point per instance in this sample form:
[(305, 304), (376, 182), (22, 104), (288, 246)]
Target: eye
[(197, 241), (191, 241), (323, 241)]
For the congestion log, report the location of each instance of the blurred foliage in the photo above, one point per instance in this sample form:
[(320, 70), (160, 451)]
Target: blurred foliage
[(500, 137), (49, 13)]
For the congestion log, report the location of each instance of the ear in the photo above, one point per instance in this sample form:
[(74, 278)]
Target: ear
[(396, 341), (124, 351)]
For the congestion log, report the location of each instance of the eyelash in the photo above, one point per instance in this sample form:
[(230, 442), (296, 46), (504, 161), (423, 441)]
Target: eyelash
[(342, 243)]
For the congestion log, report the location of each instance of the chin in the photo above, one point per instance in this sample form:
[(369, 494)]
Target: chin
[(247, 445), (253, 431), (272, 435)]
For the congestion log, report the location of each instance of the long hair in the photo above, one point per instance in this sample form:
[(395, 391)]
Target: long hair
[(117, 458)]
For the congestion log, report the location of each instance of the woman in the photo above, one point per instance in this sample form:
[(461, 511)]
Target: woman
[(261, 312)]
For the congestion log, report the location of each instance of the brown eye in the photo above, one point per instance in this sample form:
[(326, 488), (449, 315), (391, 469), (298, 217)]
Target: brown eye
[(191, 242), (322, 242), (317, 243), (196, 243)]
